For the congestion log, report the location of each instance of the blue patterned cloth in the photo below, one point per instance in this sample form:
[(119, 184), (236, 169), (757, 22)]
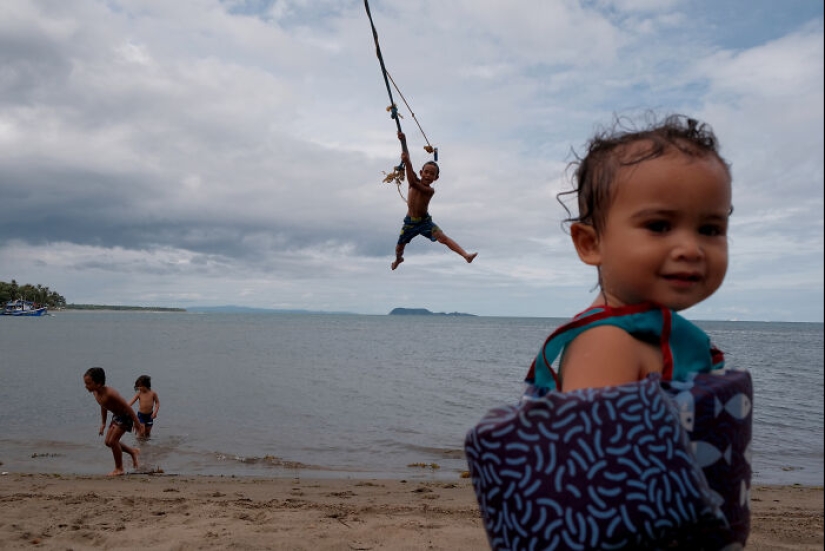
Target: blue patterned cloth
[(656, 464)]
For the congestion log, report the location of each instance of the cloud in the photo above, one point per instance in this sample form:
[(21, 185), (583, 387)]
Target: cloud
[(207, 152)]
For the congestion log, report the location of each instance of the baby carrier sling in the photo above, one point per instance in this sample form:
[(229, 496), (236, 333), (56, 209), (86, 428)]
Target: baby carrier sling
[(663, 463)]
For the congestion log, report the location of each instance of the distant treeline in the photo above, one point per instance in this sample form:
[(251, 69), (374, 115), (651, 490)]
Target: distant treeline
[(105, 307), (34, 293), (43, 296)]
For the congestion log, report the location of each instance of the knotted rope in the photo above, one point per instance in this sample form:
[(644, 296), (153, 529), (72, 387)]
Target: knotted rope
[(397, 175)]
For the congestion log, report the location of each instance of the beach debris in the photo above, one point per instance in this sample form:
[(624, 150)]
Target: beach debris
[(432, 466), (270, 460)]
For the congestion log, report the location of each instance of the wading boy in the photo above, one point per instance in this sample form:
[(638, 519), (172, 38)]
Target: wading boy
[(124, 418)]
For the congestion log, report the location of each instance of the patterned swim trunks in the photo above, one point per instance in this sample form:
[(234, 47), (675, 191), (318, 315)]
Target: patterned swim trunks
[(123, 421), (418, 226)]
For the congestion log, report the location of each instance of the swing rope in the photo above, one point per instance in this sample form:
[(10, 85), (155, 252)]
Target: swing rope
[(392, 107), (397, 176), (428, 148)]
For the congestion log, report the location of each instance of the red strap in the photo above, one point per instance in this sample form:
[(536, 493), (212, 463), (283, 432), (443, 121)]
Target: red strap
[(664, 343)]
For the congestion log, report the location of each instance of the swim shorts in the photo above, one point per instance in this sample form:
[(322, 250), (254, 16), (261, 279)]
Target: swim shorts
[(123, 421), (418, 226), (146, 419)]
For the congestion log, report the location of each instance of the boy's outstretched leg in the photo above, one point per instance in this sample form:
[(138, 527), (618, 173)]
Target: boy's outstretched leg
[(455, 247), (399, 256)]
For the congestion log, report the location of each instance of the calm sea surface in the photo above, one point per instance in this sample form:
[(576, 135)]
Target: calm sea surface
[(337, 395)]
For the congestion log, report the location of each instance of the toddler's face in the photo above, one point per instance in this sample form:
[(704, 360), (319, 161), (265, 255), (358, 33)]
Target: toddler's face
[(665, 235)]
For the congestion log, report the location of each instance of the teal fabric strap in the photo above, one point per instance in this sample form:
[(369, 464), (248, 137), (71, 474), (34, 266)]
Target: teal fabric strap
[(685, 347)]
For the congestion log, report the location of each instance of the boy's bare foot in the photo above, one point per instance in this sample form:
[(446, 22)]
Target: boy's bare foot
[(471, 257), (400, 259), (116, 472)]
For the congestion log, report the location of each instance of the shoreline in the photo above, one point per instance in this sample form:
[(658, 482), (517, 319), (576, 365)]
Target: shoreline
[(140, 511)]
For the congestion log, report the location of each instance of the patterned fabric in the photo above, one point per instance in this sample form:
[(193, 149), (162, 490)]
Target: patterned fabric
[(123, 421), (716, 410), (605, 468), (418, 226), (658, 464)]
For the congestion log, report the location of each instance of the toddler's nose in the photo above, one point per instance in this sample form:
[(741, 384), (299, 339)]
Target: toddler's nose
[(688, 246)]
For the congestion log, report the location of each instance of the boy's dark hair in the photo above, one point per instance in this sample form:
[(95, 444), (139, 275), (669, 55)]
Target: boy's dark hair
[(144, 380), (97, 375), (435, 164), (608, 151)]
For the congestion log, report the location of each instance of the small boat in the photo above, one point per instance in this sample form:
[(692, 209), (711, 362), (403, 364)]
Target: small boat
[(22, 307)]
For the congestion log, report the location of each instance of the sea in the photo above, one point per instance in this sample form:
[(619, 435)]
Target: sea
[(337, 395)]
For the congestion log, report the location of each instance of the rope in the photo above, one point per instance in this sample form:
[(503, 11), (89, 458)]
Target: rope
[(429, 148), (394, 114), (397, 176)]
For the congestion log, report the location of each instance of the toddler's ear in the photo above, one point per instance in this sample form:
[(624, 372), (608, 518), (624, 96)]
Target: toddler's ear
[(586, 241)]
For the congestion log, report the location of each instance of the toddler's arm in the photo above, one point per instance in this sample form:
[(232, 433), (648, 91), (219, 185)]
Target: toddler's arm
[(606, 356)]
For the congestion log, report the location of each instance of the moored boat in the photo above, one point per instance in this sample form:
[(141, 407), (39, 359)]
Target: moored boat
[(22, 307)]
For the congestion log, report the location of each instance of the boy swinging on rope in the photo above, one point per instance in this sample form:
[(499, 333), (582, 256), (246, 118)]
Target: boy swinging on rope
[(418, 220)]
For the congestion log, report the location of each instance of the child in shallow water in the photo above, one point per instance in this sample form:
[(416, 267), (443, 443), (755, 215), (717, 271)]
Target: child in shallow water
[(148, 403), (124, 418)]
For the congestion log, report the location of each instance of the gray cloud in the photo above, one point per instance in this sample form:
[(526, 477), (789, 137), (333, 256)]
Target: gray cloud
[(215, 152)]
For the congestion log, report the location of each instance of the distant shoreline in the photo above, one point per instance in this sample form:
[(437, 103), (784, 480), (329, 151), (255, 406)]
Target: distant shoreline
[(126, 308), (394, 312), (241, 309)]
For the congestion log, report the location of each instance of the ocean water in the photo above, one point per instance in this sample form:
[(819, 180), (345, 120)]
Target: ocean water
[(317, 395)]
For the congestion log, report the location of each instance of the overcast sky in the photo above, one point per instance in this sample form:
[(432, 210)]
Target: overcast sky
[(203, 152)]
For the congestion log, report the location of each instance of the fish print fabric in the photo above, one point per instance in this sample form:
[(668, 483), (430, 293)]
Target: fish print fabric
[(606, 468)]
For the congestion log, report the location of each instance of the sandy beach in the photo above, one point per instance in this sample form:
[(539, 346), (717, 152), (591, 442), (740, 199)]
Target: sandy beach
[(139, 511)]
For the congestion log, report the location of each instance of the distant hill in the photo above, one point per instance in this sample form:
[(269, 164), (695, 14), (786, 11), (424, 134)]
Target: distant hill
[(423, 312), (121, 308)]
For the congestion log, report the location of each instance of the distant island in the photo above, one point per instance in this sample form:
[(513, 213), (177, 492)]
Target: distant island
[(424, 312)]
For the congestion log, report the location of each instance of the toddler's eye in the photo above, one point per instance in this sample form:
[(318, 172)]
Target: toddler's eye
[(713, 230), (658, 226)]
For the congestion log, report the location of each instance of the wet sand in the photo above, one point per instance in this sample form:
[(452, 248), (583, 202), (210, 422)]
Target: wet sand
[(140, 511)]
